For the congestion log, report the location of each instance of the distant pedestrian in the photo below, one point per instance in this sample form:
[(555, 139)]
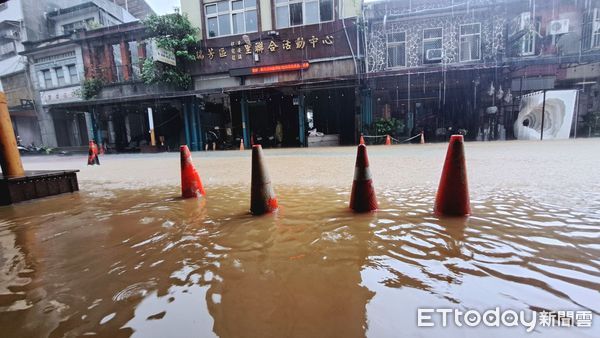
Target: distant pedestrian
[(279, 133), (93, 154)]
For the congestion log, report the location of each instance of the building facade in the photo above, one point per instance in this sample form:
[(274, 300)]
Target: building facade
[(57, 69), (14, 77), (443, 66), (270, 71)]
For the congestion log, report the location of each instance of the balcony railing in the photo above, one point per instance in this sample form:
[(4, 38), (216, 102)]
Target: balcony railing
[(118, 74)]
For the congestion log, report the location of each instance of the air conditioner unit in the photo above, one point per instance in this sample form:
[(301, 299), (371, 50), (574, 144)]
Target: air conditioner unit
[(520, 23), (434, 54), (558, 27)]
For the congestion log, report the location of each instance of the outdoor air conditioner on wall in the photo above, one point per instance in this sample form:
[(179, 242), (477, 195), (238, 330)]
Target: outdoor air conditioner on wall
[(558, 27), (434, 54)]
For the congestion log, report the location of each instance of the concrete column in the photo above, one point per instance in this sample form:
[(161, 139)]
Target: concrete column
[(108, 69), (301, 120), (196, 109), (127, 129), (195, 145), (10, 159), (111, 130), (54, 77), (41, 80), (88, 61), (75, 137), (66, 74), (245, 120), (141, 49), (151, 126), (47, 128), (89, 125), (125, 60), (186, 124)]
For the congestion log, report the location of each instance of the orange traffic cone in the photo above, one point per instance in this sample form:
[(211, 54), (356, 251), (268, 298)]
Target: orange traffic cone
[(362, 140), (262, 196), (242, 144), (362, 198), (452, 197), (93, 154), (191, 185), (422, 138), (388, 140)]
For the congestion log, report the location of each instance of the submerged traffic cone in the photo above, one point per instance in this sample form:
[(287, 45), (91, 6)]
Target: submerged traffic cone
[(388, 140), (242, 144), (262, 196), (362, 198), (452, 197), (362, 140), (93, 154), (191, 185), (422, 138)]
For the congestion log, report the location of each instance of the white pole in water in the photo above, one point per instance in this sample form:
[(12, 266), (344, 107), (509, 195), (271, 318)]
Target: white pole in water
[(151, 123)]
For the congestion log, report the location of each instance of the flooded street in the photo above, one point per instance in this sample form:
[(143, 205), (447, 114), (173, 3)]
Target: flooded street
[(126, 256)]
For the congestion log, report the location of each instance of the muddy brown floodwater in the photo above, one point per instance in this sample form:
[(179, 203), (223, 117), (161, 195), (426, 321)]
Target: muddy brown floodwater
[(126, 257)]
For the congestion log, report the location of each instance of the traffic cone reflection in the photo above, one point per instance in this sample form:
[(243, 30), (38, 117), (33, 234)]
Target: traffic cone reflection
[(362, 198), (191, 185), (388, 140), (262, 195), (93, 154), (452, 197), (362, 140)]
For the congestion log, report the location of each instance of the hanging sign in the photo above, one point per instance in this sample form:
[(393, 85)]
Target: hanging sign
[(163, 55)]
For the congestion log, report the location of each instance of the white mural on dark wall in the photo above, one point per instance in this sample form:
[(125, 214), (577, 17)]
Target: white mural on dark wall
[(491, 29)]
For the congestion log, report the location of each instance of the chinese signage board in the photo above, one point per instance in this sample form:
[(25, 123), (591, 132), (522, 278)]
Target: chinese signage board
[(239, 49), (163, 55), (60, 95), (313, 43), (288, 67)]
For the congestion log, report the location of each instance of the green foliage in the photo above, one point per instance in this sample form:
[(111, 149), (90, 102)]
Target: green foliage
[(391, 126), (592, 121), (172, 32), (90, 88)]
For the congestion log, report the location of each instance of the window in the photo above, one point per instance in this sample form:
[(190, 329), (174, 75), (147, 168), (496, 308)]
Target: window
[(60, 76), (47, 78), (396, 49), (470, 42), (118, 61), (135, 58), (596, 29), (432, 45), (528, 40), (289, 13), (73, 74), (7, 48), (231, 17)]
